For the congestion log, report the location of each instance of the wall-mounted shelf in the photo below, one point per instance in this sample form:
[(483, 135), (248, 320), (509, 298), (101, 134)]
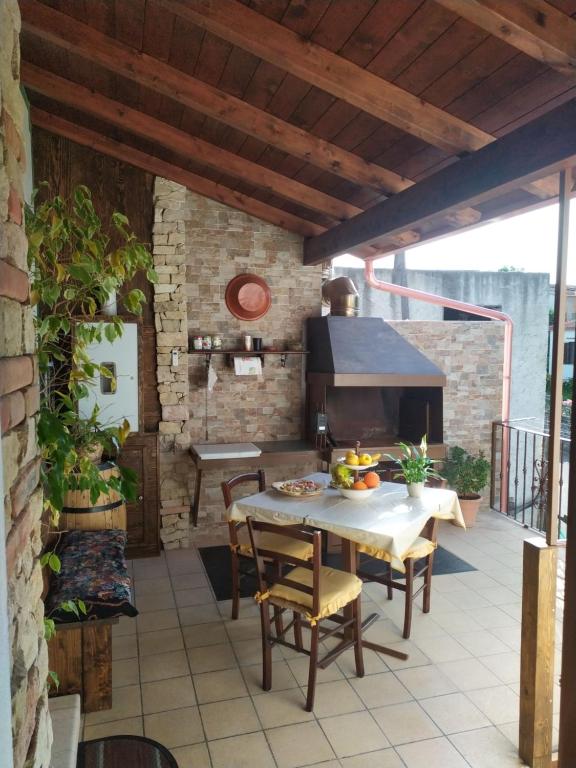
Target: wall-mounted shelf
[(232, 353)]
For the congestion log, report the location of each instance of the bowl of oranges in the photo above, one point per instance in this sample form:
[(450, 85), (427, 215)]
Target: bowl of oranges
[(361, 488)]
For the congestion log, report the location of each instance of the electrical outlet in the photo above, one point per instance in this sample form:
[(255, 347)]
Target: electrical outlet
[(174, 358)]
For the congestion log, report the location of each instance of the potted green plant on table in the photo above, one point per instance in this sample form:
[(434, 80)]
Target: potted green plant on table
[(75, 264), (468, 475), (416, 467)]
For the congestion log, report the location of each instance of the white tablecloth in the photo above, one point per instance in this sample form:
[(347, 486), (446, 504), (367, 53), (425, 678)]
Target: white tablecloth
[(389, 519)]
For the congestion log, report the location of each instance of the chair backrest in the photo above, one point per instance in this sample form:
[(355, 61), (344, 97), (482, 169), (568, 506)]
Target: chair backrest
[(260, 553), (247, 477)]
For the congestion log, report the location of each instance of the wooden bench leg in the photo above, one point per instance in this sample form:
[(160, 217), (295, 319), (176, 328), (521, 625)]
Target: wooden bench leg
[(65, 659), (97, 667)]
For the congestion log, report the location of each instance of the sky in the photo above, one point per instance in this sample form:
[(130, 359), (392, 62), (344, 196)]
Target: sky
[(527, 242)]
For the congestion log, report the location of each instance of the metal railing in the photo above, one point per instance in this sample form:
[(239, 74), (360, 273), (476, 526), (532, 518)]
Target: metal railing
[(525, 473)]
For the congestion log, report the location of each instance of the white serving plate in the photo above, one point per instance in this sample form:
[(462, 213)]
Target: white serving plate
[(279, 486)]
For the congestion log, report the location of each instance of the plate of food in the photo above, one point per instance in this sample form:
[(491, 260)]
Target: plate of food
[(301, 488)]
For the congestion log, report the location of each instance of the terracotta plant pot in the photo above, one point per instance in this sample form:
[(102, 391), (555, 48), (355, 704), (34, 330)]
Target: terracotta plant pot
[(415, 490), (469, 506)]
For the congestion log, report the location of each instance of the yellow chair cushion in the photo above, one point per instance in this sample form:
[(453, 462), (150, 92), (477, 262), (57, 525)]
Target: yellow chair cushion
[(337, 589), (420, 548), (284, 545)]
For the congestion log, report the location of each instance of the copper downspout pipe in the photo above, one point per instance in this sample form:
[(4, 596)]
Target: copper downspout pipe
[(473, 309)]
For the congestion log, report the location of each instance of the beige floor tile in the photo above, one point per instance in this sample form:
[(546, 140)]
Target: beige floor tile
[(506, 666), (499, 595), (164, 641), (125, 703), (175, 693), (439, 649), (250, 750), (125, 672), (244, 629), (467, 598), (131, 726), (510, 636), (126, 626), (353, 733), (219, 686), (454, 713), (486, 748), (229, 718), (282, 708), (337, 698), (300, 666), (249, 652), (298, 745), (373, 663), (403, 723), (434, 752), (150, 568), (198, 614), (282, 678), (210, 658), (155, 602), (383, 758), (511, 731), (248, 608), (124, 647), (457, 621), (416, 657), (424, 682), (380, 690), (189, 581), (500, 704), (468, 674), (492, 617), (162, 666), (185, 566), (153, 621), (204, 634), (152, 586), (198, 596), (192, 756), (175, 728), (383, 631), (481, 643)]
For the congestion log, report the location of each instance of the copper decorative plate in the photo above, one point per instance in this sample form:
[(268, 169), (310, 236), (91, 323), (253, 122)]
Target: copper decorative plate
[(248, 297)]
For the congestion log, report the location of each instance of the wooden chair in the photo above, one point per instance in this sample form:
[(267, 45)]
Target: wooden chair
[(312, 593), (243, 549), (422, 549)]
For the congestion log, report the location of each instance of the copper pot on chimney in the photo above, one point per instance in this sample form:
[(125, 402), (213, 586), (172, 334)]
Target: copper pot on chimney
[(341, 296)]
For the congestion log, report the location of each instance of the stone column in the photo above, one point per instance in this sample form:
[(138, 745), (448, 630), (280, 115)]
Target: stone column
[(170, 256), (19, 399)]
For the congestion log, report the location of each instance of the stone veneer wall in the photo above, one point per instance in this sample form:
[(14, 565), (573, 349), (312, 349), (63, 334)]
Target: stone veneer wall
[(216, 243), (471, 356), (19, 396)]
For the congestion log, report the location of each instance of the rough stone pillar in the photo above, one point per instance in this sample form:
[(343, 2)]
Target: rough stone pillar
[(19, 398), (170, 256)]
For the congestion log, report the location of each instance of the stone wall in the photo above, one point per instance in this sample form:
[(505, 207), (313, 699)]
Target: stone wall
[(471, 356), (216, 243), (19, 396)]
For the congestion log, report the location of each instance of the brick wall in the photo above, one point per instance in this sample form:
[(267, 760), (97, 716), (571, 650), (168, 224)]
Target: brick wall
[(471, 356), (216, 243), (18, 403)]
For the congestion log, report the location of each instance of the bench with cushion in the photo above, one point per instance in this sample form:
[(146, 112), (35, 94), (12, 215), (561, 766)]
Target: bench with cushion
[(93, 569)]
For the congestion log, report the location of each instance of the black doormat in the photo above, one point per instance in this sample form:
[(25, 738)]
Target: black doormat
[(122, 752), (218, 567)]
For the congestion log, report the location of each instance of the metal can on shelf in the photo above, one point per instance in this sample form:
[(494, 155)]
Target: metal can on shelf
[(207, 342), (216, 342), (198, 342)]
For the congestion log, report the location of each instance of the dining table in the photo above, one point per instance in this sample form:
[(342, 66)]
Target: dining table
[(389, 519)]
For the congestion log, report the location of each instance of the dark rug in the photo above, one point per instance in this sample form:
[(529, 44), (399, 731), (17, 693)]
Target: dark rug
[(218, 567), (124, 752)]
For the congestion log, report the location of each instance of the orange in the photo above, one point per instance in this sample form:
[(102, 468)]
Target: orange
[(359, 485), (371, 479)]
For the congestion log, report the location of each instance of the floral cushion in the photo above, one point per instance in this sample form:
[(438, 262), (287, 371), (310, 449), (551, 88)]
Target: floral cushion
[(93, 569)]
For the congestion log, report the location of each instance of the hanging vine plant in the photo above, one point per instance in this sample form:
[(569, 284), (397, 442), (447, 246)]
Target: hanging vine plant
[(75, 265)]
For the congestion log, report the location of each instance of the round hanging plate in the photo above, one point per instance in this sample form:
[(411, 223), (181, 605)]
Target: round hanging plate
[(248, 297)]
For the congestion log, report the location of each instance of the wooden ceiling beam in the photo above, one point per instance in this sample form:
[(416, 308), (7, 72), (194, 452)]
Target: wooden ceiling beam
[(159, 167), (544, 146), (83, 40), (533, 26), (269, 40), (128, 119)]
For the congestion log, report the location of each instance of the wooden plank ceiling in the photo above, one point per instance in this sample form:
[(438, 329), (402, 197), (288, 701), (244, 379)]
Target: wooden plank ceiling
[(302, 112)]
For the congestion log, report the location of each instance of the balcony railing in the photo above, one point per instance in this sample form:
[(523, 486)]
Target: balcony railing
[(524, 474)]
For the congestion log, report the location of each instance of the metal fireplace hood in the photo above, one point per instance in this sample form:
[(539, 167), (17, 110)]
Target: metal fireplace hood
[(366, 352)]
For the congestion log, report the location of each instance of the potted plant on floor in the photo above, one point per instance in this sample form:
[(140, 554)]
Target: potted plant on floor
[(416, 467), (468, 475)]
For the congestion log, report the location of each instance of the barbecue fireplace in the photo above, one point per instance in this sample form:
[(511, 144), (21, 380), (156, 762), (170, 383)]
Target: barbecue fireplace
[(370, 384)]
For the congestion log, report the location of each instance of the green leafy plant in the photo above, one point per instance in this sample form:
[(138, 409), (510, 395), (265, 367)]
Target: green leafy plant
[(466, 474), (75, 265), (415, 464)]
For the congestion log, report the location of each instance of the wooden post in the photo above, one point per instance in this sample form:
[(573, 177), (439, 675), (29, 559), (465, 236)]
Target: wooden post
[(96, 666), (554, 447), (537, 653)]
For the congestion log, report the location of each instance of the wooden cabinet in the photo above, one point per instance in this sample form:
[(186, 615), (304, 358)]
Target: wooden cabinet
[(140, 453)]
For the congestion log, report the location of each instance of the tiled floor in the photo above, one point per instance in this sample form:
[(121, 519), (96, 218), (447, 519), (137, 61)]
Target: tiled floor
[(187, 676)]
